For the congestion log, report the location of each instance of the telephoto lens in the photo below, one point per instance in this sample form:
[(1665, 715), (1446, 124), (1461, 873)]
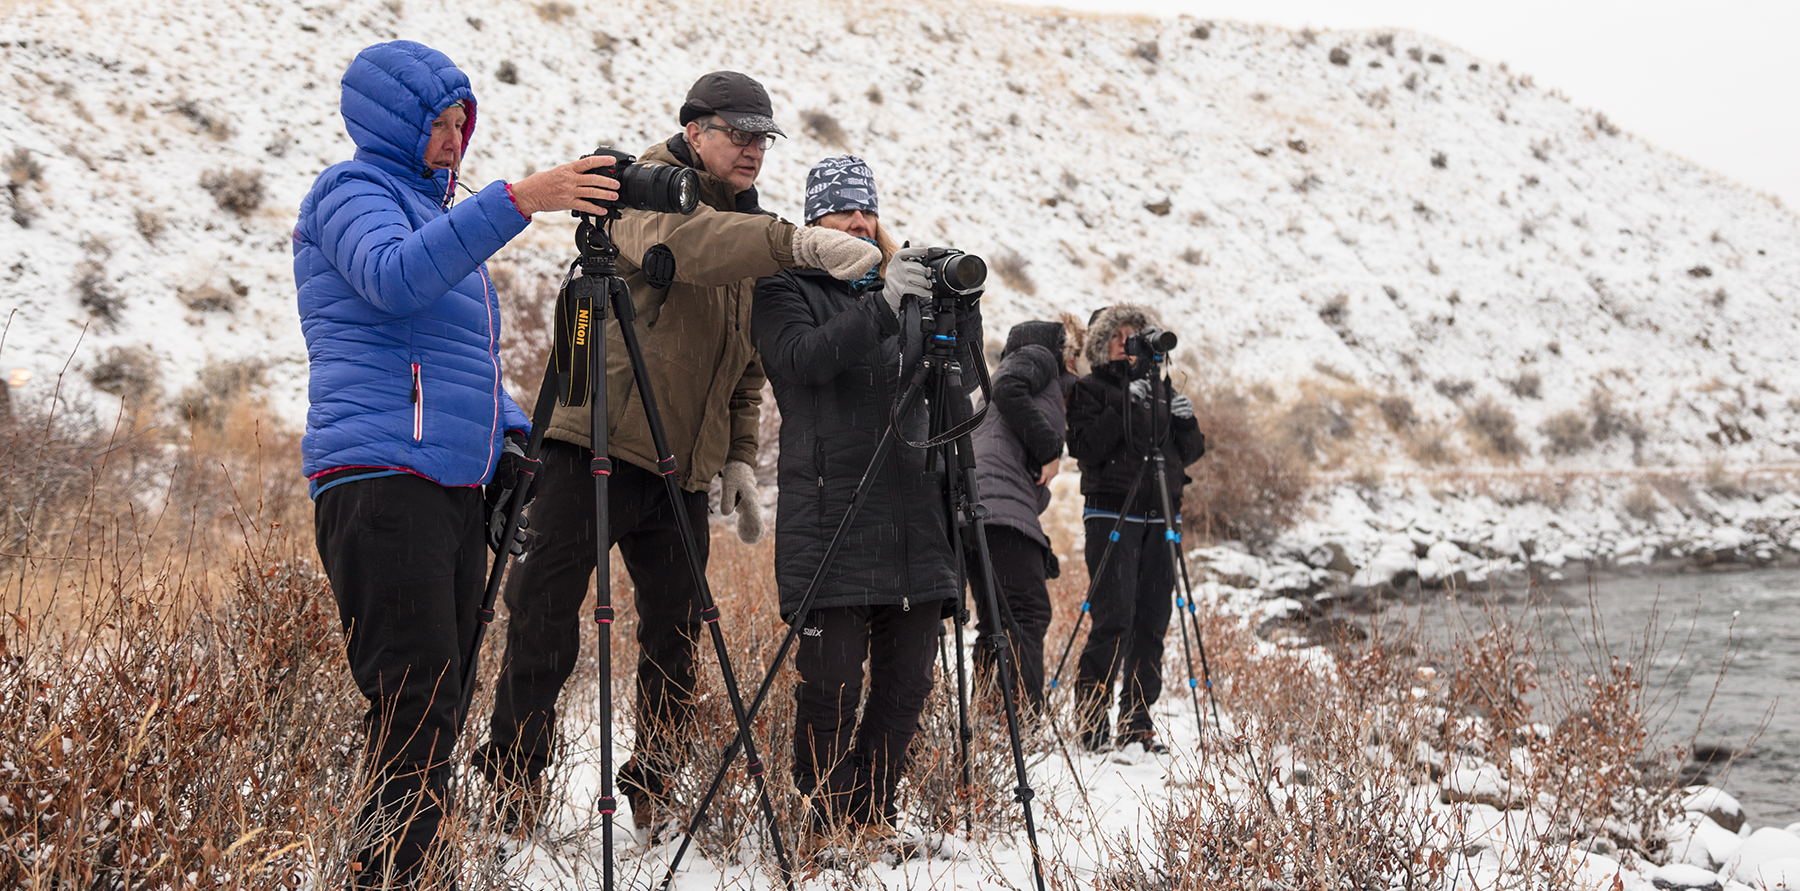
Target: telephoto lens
[(1158, 340), (955, 271), (657, 188)]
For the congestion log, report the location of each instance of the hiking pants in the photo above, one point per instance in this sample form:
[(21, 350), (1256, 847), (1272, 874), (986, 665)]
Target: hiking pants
[(407, 560)]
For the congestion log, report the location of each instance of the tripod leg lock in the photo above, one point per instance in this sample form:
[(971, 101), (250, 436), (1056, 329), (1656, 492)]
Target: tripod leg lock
[(1023, 794), (485, 615), (753, 767), (603, 615), (665, 466), (600, 467), (710, 614), (608, 805)]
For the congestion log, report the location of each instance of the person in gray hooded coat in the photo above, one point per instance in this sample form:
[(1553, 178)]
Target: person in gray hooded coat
[(1017, 450)]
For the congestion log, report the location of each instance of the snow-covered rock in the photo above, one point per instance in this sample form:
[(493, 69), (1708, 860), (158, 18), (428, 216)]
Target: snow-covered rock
[(1392, 560), (1765, 846), (1680, 876), (1480, 783), (1694, 839), (1715, 803), (1780, 874)]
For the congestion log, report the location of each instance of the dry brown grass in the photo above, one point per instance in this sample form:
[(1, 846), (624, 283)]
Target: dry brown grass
[(1251, 483), (175, 709)]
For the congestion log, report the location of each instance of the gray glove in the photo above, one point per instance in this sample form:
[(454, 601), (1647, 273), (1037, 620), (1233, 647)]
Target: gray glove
[(906, 276), (737, 492), (843, 255), (1182, 407), (1140, 392)]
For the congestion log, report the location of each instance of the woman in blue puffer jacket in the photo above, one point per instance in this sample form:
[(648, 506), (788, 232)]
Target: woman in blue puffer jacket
[(408, 417)]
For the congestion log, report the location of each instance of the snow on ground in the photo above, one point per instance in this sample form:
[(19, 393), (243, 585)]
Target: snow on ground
[(1097, 813)]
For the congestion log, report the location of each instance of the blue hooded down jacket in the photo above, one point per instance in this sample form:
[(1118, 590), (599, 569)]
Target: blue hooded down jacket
[(401, 320)]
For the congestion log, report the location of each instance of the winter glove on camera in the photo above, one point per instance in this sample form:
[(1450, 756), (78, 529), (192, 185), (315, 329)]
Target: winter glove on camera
[(737, 492), (1182, 407), (843, 255), (906, 277), (1140, 392), (513, 470)]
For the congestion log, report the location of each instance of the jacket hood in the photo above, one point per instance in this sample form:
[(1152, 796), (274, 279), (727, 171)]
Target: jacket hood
[(1045, 334), (1108, 321), (391, 94)]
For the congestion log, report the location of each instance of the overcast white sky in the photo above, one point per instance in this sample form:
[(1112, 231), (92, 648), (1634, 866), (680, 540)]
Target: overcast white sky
[(1717, 82)]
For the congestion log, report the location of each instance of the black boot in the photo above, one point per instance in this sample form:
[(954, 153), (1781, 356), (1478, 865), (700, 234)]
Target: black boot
[(647, 792)]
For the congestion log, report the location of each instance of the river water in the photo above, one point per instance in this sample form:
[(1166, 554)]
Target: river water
[(1749, 621)]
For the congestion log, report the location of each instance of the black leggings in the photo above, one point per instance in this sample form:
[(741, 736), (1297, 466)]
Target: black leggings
[(1019, 575)]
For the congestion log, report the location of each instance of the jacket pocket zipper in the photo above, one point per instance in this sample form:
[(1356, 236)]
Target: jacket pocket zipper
[(418, 404)]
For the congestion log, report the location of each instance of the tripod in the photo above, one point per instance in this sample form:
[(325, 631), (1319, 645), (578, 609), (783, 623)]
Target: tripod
[(1154, 463), (577, 370), (937, 363)]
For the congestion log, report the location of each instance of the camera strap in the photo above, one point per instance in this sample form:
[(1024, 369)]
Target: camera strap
[(570, 350)]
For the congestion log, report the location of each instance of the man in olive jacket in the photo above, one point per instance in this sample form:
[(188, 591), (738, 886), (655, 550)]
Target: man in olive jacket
[(708, 382)]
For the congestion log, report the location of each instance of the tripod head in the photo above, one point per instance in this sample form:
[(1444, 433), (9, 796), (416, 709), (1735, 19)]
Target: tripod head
[(598, 254), (932, 358)]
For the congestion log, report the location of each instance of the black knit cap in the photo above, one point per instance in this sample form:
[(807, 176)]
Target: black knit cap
[(737, 98)]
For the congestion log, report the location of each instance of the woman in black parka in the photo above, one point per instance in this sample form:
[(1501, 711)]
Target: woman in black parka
[(832, 352), (1110, 428)]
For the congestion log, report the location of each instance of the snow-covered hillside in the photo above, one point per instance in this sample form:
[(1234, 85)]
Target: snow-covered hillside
[(1369, 210)]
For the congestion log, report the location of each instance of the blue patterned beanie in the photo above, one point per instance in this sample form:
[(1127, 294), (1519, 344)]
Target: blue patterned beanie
[(837, 184)]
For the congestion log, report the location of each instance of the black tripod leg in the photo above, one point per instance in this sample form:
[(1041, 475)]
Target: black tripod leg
[(1174, 541), (709, 609), (1183, 594), (965, 463), (913, 390), (965, 732), (1099, 571), (1194, 618), (540, 419), (601, 468)]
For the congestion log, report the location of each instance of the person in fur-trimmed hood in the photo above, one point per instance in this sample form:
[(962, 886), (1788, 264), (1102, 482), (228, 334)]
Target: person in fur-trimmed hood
[(1115, 420)]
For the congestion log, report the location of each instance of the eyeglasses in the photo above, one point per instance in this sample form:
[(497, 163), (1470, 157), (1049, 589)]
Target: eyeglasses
[(741, 139)]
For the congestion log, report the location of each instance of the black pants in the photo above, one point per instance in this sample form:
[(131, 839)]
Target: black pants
[(407, 559), (544, 594), (1130, 608), (1019, 575), (851, 770)]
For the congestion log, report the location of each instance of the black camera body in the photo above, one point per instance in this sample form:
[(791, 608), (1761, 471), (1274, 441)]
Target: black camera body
[(954, 273), (1152, 342), (657, 188)]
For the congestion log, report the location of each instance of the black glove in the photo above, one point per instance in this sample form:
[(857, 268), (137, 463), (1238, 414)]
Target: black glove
[(513, 470)]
